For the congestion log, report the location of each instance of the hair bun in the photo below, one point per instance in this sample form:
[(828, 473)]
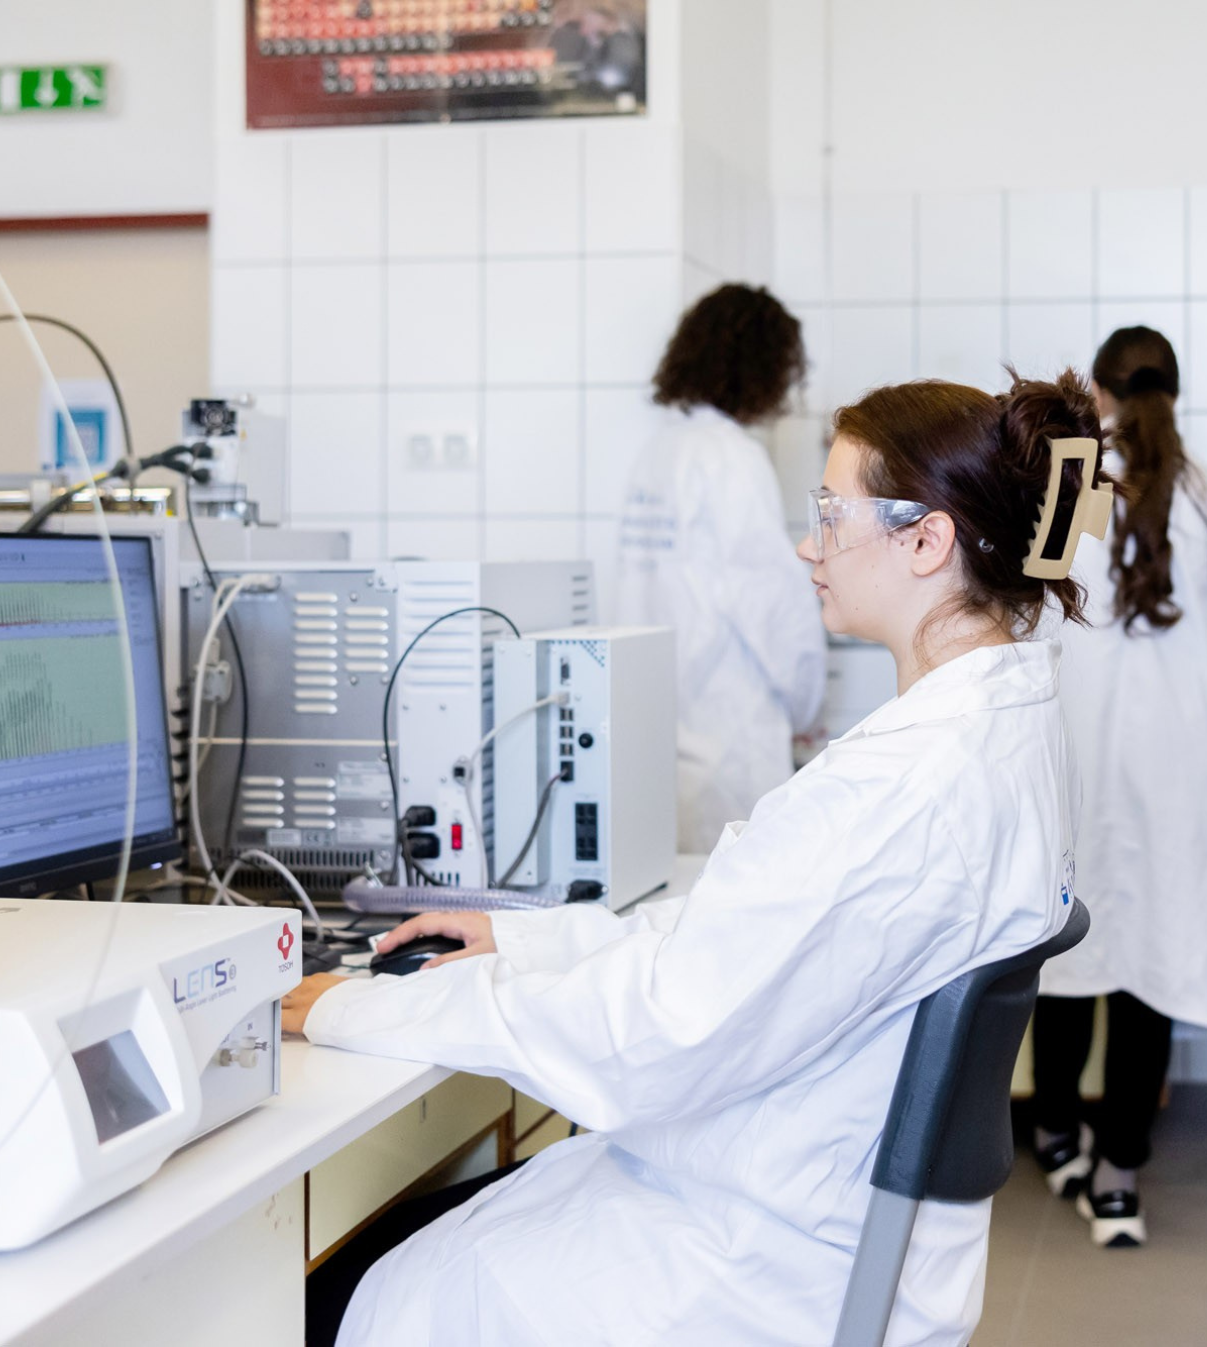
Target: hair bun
[(1035, 412), (1148, 379)]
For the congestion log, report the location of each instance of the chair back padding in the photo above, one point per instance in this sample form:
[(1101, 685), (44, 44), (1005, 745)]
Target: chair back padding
[(948, 1133)]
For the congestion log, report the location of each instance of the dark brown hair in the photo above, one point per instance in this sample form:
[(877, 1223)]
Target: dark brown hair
[(985, 461), (737, 349), (1138, 367)]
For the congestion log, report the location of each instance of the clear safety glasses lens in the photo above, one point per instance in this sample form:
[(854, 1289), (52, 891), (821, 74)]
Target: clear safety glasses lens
[(841, 522)]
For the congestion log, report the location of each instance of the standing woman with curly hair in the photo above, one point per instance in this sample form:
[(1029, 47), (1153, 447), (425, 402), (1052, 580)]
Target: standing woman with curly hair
[(704, 549), (1134, 688)]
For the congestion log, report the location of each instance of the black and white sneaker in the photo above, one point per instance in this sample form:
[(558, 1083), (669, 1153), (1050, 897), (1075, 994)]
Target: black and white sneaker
[(1066, 1162), (1116, 1221)]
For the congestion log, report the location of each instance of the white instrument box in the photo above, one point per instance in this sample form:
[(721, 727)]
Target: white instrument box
[(607, 829), (125, 1032)]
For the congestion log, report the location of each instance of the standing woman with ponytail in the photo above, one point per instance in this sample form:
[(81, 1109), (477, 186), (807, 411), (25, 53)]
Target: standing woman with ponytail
[(1134, 688)]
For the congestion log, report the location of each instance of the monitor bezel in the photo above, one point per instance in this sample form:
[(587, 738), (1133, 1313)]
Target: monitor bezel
[(26, 879)]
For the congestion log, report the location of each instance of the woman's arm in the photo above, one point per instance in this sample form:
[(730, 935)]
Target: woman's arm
[(794, 934)]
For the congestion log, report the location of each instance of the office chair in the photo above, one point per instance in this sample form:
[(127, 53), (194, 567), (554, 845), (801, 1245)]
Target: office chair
[(948, 1135)]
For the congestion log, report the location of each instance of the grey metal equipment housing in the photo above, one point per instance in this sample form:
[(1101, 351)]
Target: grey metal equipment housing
[(947, 1137)]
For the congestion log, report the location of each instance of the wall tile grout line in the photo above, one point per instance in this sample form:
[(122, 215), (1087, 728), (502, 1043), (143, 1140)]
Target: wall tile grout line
[(287, 299), (916, 282), (1005, 261), (335, 389), (582, 341), (1095, 268), (451, 259), (1187, 325), (1012, 301), (483, 318), (383, 541)]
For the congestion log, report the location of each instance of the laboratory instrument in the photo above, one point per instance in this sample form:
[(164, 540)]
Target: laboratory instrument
[(125, 1032), (320, 643), (594, 762)]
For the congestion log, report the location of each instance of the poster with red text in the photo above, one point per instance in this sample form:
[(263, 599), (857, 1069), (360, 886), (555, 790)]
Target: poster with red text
[(365, 62)]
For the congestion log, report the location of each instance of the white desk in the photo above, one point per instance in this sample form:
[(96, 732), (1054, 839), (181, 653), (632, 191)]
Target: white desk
[(213, 1247)]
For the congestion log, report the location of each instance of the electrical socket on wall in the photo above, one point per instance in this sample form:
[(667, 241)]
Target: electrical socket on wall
[(438, 450)]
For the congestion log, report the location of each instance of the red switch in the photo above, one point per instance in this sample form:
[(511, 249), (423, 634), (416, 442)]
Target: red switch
[(455, 836)]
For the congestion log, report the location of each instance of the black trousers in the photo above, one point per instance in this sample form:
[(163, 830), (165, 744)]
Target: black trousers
[(1137, 1059), (330, 1286)]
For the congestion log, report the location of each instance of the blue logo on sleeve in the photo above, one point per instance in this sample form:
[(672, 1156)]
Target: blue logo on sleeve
[(1070, 875)]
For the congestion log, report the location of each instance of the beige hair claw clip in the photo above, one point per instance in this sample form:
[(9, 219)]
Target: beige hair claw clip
[(1091, 513)]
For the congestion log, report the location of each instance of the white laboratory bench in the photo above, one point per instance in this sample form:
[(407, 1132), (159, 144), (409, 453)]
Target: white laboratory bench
[(215, 1246)]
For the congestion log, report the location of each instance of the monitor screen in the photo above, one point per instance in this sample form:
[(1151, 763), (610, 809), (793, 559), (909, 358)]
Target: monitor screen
[(63, 734)]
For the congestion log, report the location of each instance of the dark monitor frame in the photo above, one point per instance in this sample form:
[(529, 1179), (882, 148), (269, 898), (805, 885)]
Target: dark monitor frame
[(46, 874)]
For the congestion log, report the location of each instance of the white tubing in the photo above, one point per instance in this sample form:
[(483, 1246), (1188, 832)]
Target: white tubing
[(264, 858), (554, 699), (228, 591), (101, 951)]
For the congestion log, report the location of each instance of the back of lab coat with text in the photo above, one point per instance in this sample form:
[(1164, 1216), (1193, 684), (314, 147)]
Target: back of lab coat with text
[(704, 549)]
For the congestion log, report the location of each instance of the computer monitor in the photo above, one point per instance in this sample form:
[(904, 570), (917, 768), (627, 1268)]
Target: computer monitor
[(64, 750)]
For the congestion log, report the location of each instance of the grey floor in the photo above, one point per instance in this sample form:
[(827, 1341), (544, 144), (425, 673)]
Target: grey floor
[(1048, 1286)]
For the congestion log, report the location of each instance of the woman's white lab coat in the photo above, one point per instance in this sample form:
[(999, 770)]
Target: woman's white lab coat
[(704, 549), (1137, 709), (734, 1051)]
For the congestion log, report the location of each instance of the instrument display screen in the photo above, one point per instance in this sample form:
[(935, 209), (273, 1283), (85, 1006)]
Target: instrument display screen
[(122, 1090)]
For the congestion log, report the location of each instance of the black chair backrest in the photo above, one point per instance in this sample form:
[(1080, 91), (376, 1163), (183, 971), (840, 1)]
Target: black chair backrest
[(948, 1133)]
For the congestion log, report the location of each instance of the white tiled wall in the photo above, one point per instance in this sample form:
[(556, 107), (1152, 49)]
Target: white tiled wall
[(510, 286), (504, 288), (956, 285)]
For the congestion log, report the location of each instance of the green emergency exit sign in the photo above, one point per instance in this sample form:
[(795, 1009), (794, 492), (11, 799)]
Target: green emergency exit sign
[(50, 87)]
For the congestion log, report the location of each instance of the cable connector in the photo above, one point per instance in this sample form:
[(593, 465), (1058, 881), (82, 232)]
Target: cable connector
[(585, 891), (216, 682)]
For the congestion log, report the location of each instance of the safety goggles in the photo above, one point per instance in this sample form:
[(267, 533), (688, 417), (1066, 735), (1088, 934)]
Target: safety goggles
[(839, 523)]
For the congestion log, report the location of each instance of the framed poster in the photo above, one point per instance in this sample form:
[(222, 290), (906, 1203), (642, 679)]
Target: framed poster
[(366, 62)]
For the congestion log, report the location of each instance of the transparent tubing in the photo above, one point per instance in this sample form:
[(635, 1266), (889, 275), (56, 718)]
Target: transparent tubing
[(441, 898), (127, 666)]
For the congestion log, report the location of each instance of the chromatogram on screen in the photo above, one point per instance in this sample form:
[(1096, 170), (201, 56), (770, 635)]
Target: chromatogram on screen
[(60, 693), (38, 603)]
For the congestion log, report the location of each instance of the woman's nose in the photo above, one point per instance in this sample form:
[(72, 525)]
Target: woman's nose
[(807, 550)]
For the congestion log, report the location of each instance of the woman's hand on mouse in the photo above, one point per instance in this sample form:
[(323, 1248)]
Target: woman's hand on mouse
[(473, 929), (295, 1005)]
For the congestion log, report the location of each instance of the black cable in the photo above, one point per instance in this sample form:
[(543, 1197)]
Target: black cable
[(427, 876), (60, 502), (244, 727), (542, 805), (408, 861), (128, 468), (385, 713), (113, 384)]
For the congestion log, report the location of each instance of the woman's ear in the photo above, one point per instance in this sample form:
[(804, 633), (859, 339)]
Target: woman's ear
[(933, 543)]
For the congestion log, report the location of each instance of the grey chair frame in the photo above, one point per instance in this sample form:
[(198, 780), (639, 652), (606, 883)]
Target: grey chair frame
[(948, 1135)]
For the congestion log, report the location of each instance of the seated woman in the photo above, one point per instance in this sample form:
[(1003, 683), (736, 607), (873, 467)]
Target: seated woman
[(733, 1051)]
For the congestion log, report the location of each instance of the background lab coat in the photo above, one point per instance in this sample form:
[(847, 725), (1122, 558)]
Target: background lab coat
[(1137, 709), (704, 549), (735, 1050)]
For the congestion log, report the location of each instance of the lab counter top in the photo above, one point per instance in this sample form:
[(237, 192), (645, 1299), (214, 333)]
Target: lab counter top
[(327, 1100)]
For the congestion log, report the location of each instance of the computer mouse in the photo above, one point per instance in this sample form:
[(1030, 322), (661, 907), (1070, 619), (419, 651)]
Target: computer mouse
[(414, 954)]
